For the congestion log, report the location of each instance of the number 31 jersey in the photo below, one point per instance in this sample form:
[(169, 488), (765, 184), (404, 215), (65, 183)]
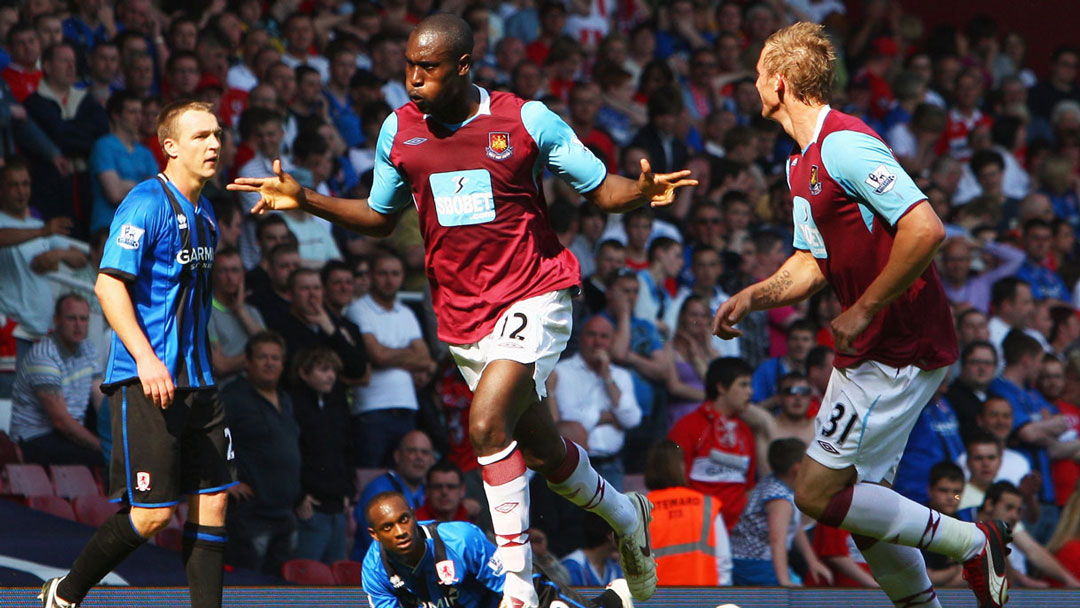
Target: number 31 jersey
[(478, 190), (848, 193)]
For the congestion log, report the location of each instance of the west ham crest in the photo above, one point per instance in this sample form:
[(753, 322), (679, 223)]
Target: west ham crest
[(815, 184), (499, 147)]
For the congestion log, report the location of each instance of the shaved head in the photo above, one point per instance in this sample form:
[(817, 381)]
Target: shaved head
[(448, 31), (438, 59)]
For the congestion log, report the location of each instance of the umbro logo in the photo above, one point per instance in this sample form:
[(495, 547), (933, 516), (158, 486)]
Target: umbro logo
[(506, 507), (828, 447), (416, 141)]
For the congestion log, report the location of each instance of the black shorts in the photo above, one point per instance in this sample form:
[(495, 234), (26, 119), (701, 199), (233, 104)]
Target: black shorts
[(159, 455)]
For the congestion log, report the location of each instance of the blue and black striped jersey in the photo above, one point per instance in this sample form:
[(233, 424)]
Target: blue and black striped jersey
[(163, 247)]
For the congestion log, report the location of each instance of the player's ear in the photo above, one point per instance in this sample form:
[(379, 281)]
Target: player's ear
[(169, 145), (464, 65)]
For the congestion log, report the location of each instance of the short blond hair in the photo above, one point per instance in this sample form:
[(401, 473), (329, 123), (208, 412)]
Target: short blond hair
[(170, 115), (805, 57)]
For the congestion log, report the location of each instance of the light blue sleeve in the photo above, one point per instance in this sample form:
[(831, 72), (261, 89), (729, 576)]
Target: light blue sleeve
[(865, 167), (390, 192), (480, 557), (561, 150), (135, 231), (375, 583)]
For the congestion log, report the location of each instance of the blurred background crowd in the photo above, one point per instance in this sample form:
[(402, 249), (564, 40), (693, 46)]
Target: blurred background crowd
[(324, 341)]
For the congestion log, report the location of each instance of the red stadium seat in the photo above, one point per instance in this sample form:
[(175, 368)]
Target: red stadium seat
[(53, 505), (27, 480), (93, 510), (9, 450), (307, 572), (347, 572), (170, 538), (71, 480)]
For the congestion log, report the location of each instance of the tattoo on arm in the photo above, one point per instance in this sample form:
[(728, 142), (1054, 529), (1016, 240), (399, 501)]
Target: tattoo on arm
[(774, 289)]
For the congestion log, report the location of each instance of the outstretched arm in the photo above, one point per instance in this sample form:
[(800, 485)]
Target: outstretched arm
[(798, 279), (617, 194), (282, 192)]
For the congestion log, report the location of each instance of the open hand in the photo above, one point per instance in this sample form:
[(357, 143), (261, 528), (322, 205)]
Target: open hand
[(277, 193), (59, 225), (820, 572), (659, 188), (733, 310)]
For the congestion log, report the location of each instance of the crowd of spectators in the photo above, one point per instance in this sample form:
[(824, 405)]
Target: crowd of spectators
[(326, 367)]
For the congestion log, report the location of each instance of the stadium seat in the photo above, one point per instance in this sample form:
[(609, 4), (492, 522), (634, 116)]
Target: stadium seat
[(307, 572), (71, 480), (347, 572), (170, 538), (27, 480), (9, 450), (93, 510), (53, 505)]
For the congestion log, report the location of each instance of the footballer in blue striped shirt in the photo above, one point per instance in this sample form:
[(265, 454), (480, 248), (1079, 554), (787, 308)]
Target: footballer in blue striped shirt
[(168, 423)]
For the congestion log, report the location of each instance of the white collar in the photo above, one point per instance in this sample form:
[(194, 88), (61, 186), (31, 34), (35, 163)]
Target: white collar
[(820, 123)]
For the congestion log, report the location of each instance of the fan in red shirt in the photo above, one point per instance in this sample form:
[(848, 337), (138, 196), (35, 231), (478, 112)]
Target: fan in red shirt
[(836, 548), (444, 494), (456, 400), (718, 447), (25, 48), (552, 20), (585, 102)]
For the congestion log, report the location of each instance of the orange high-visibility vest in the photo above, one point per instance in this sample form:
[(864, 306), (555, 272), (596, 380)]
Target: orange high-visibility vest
[(682, 536)]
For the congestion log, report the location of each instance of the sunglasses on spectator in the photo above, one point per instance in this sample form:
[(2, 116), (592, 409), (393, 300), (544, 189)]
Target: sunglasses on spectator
[(797, 390)]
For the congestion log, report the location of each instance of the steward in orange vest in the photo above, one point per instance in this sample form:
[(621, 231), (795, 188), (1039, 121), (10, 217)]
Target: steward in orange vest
[(683, 537), (686, 526)]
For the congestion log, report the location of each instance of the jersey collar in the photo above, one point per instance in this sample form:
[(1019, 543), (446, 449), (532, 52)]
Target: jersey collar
[(180, 195), (483, 110), (817, 128)]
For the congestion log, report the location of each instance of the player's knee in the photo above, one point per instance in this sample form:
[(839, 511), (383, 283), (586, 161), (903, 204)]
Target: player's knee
[(488, 435), (149, 522), (209, 509)]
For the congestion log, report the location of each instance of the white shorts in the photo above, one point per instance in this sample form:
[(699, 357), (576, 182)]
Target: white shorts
[(867, 414), (532, 331)]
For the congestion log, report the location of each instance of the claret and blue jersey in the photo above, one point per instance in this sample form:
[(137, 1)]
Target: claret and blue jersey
[(168, 279), (848, 193), (478, 190)]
